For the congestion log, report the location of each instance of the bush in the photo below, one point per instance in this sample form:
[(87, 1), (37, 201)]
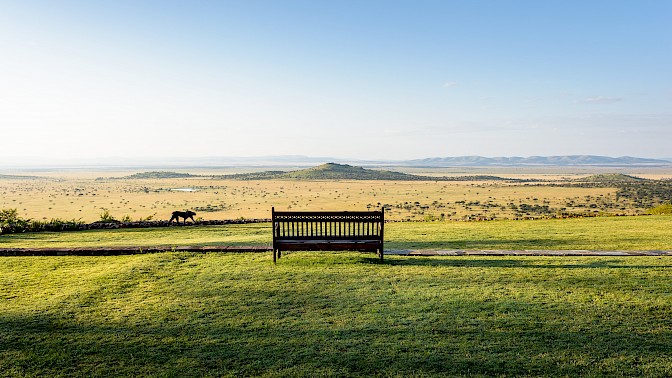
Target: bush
[(9, 215), (106, 217), (11, 223), (660, 210)]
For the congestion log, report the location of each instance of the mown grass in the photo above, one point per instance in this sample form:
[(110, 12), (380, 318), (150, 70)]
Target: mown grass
[(602, 233), (335, 314), (244, 234)]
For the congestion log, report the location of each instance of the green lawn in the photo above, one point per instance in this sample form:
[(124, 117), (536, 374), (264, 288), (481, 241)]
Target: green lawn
[(335, 314), (603, 233)]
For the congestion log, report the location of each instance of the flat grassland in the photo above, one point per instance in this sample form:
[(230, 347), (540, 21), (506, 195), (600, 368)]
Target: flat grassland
[(183, 314), (85, 195), (232, 199)]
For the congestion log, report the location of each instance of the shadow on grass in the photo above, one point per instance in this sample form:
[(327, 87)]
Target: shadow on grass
[(595, 262), (284, 320), (451, 261), (555, 262), (470, 342), (13, 238), (529, 243)]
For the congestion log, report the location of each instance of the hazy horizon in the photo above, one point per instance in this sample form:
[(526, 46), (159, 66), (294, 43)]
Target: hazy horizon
[(368, 80), (18, 163)]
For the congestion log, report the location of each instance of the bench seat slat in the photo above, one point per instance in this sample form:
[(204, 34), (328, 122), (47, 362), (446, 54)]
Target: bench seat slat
[(305, 238), (334, 245)]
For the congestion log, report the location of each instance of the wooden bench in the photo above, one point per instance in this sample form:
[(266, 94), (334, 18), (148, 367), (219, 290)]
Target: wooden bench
[(327, 231)]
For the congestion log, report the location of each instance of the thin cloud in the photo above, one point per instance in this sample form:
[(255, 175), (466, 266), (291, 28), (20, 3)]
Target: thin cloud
[(450, 84), (600, 100)]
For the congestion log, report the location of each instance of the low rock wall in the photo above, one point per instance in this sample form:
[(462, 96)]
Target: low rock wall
[(130, 250), (148, 224)]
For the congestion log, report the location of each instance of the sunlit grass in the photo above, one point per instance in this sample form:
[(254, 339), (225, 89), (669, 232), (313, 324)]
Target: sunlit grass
[(602, 233), (239, 234), (335, 314)]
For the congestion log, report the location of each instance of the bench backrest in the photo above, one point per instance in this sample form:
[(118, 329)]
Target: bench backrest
[(328, 225)]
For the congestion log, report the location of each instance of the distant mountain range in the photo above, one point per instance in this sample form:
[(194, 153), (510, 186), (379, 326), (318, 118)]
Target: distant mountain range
[(308, 161), (567, 160)]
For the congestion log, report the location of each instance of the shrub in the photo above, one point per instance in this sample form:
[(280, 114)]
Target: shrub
[(9, 215), (147, 219), (660, 210), (11, 223), (106, 217)]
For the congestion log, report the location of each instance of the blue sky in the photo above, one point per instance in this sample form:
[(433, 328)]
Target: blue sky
[(352, 79)]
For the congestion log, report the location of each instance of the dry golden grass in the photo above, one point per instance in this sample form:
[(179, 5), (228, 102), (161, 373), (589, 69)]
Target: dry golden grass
[(81, 196)]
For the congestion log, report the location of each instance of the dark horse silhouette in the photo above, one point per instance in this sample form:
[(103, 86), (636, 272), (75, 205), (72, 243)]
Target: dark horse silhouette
[(182, 214)]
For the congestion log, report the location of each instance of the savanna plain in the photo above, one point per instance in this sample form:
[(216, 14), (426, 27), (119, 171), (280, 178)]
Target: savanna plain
[(344, 314), (474, 194)]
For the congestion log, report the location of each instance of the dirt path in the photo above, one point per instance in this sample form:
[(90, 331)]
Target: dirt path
[(111, 251), (469, 252)]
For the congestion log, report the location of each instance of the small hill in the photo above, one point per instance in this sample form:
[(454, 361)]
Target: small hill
[(329, 171), (266, 175), (610, 178), (157, 175), (479, 178), (17, 177), (333, 171)]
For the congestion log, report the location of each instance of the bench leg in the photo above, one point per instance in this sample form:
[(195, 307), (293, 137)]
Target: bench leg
[(273, 256), (380, 254)]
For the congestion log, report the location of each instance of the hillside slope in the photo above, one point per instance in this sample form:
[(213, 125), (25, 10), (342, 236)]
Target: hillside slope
[(333, 171), (328, 171)]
